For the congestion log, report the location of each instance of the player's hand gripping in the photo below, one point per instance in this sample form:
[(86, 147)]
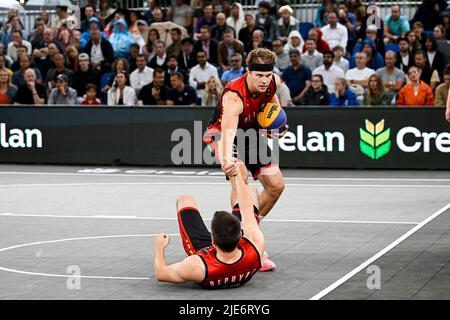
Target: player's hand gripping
[(230, 166), (161, 241)]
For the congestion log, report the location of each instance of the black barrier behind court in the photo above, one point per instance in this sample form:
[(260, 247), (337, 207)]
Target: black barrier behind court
[(381, 138)]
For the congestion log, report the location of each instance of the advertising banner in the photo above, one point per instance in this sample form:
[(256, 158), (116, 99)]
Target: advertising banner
[(379, 138)]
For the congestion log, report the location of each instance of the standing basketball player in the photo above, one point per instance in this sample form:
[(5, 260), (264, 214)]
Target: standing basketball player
[(225, 258), (238, 107)]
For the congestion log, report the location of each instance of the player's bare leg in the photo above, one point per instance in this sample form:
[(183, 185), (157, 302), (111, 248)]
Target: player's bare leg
[(273, 183)]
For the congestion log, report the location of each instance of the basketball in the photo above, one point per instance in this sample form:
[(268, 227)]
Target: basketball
[(272, 117)]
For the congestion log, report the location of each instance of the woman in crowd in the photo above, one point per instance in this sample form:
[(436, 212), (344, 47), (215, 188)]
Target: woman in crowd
[(149, 49), (72, 58), (107, 80), (317, 93), (376, 94), (153, 35), (7, 91), (133, 17), (213, 90), (414, 43), (417, 92), (342, 95), (120, 93), (439, 33)]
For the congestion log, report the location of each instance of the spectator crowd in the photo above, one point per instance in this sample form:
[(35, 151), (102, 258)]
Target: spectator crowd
[(186, 52)]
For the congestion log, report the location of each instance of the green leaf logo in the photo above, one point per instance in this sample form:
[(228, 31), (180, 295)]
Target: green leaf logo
[(375, 143)]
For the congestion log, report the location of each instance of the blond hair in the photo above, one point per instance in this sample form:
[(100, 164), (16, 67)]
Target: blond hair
[(261, 55), (208, 96), (342, 81)]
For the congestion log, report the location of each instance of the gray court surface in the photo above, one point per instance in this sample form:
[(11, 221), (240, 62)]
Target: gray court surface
[(71, 232)]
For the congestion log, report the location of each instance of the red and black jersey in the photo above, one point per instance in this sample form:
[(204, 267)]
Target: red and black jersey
[(252, 105), (220, 275)]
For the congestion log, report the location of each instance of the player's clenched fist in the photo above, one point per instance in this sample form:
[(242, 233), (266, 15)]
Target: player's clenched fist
[(161, 241)]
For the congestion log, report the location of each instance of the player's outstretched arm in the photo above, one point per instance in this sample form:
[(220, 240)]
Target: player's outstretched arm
[(190, 269), (249, 223), (233, 107)]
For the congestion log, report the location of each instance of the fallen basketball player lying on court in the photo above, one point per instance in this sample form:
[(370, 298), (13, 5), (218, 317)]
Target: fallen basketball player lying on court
[(227, 257)]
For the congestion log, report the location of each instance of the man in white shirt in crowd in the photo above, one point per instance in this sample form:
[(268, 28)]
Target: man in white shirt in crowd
[(199, 74), (312, 58), (359, 75), (16, 43), (334, 33), (142, 76), (328, 71)]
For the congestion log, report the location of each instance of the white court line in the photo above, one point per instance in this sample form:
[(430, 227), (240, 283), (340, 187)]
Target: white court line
[(8, 214), (74, 239), (31, 185), (367, 263), (213, 176)]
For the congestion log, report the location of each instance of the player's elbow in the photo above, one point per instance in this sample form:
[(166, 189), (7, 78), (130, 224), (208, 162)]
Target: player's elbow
[(157, 274), (160, 275)]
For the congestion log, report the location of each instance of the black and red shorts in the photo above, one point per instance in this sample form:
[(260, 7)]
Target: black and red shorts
[(194, 233), (256, 155)]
